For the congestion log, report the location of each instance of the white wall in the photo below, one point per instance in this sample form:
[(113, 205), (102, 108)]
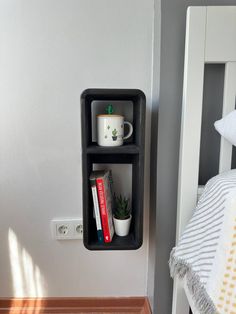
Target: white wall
[(50, 51)]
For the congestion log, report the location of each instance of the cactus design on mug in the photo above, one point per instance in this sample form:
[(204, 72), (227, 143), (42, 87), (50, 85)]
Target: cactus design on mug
[(114, 135)]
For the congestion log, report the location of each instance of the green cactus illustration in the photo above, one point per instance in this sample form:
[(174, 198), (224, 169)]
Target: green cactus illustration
[(114, 132), (114, 135)]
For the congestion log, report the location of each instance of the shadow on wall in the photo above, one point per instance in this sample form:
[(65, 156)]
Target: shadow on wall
[(27, 279)]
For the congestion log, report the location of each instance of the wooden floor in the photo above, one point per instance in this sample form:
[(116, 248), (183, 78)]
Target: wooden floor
[(139, 305)]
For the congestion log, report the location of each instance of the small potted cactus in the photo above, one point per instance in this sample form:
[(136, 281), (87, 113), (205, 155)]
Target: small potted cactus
[(122, 215)]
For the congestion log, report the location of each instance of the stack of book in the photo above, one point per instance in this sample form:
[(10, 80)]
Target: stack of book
[(101, 185)]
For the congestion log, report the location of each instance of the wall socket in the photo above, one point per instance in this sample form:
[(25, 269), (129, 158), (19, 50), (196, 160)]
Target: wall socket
[(67, 229)]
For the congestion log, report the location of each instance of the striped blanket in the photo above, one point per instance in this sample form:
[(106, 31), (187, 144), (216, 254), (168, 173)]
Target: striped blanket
[(205, 257)]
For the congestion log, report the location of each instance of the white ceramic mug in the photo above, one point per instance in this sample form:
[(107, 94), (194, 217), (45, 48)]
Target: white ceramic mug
[(110, 130)]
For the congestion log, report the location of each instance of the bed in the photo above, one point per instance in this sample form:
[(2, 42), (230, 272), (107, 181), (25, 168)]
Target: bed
[(210, 38)]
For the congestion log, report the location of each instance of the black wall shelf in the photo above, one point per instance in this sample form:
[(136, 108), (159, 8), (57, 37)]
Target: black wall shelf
[(130, 153)]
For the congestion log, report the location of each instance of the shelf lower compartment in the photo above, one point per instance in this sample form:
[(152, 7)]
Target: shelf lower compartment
[(124, 149), (118, 243)]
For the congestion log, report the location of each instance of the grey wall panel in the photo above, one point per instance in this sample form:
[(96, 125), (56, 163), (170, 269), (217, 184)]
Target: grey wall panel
[(212, 111), (173, 17), (153, 154)]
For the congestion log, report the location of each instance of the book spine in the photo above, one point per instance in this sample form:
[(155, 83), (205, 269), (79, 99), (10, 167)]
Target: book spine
[(96, 210), (109, 198), (103, 209)]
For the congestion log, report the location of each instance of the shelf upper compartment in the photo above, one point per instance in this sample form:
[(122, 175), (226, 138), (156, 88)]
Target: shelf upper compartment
[(124, 149)]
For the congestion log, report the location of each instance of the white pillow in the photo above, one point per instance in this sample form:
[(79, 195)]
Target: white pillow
[(227, 127)]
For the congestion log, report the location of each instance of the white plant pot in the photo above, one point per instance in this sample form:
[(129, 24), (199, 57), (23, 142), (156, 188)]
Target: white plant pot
[(122, 226)]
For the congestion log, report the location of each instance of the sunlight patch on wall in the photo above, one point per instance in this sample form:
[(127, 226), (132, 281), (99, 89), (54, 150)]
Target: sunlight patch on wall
[(26, 276)]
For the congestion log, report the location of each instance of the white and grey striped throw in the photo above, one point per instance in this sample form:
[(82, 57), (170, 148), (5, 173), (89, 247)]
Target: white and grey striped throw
[(205, 257)]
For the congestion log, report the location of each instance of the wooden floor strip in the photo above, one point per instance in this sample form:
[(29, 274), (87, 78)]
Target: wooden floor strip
[(135, 305)]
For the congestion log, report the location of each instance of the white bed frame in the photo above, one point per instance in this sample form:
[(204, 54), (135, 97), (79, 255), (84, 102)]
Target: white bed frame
[(210, 38)]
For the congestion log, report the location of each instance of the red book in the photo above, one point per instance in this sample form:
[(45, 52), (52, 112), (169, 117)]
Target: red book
[(105, 205)]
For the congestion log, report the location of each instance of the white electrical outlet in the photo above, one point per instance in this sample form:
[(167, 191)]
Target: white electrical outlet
[(67, 229), (79, 230), (63, 230)]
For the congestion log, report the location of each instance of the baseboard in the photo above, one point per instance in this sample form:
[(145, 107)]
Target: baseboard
[(135, 305)]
